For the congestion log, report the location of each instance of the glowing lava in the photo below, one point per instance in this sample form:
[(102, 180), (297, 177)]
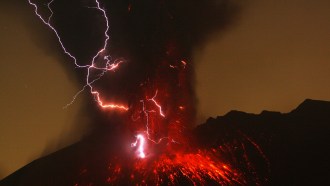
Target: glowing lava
[(108, 66), (161, 154), (195, 168)]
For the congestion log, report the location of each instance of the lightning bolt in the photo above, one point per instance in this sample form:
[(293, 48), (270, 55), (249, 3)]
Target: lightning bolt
[(141, 140), (198, 168), (146, 113), (157, 104), (107, 67)]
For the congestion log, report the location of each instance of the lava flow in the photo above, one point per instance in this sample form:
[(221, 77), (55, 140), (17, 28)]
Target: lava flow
[(159, 118), (107, 64), (195, 168)]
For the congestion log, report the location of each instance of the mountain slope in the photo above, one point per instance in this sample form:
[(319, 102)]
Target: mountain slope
[(283, 148)]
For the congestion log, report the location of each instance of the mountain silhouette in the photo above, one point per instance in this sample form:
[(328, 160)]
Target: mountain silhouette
[(296, 144), (283, 149)]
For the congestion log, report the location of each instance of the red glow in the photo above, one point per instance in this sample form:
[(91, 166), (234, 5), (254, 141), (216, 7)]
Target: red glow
[(157, 104), (184, 63), (109, 105), (195, 168), (140, 140), (160, 118), (108, 65)]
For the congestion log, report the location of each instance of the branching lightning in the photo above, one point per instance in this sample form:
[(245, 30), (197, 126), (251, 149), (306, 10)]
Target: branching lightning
[(196, 167), (140, 137), (108, 66), (157, 104)]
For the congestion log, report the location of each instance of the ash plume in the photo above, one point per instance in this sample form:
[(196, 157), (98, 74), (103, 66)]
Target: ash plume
[(147, 138), (146, 35), (135, 60)]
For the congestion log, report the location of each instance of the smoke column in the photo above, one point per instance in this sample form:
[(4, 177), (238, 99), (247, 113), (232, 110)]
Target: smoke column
[(134, 58)]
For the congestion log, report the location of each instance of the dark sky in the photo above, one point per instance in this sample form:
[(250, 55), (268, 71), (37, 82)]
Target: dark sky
[(34, 89), (273, 57), (276, 56)]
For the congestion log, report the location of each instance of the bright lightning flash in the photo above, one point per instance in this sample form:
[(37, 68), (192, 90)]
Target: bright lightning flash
[(197, 167), (141, 141), (108, 66)]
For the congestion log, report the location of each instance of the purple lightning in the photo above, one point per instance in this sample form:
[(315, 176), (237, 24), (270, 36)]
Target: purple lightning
[(140, 139), (157, 104), (108, 65)]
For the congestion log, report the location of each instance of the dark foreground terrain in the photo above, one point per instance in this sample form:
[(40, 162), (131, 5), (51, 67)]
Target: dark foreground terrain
[(285, 149)]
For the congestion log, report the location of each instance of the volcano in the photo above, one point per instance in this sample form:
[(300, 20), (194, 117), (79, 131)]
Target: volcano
[(135, 60), (269, 148)]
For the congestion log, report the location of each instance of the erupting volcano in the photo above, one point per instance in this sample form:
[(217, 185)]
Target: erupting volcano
[(143, 84), (134, 63)]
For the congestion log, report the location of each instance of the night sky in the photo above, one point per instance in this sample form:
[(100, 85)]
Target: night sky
[(273, 55)]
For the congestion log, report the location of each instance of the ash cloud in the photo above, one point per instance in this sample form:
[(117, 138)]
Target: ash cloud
[(143, 33)]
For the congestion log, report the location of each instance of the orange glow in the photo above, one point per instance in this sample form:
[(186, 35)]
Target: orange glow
[(194, 168), (109, 105), (163, 112)]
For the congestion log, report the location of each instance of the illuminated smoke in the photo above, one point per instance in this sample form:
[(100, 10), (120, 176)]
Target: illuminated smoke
[(161, 105), (107, 64)]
